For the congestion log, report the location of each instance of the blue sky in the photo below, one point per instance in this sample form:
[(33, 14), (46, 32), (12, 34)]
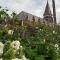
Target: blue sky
[(35, 7)]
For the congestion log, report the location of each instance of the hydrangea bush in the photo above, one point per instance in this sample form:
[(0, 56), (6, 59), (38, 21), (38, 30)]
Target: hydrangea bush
[(9, 49)]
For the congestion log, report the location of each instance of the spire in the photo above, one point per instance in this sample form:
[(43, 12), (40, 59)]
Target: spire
[(54, 11), (47, 10), (48, 15)]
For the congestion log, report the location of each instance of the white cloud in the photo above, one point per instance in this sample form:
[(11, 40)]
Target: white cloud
[(35, 7)]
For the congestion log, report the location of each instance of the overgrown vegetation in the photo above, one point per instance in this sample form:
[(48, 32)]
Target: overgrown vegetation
[(39, 42)]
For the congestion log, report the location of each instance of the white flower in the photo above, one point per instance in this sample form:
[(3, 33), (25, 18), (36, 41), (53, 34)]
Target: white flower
[(1, 48), (36, 27), (16, 59), (20, 46), (53, 32), (1, 59), (15, 44), (56, 45), (40, 29), (44, 40), (10, 32), (24, 58)]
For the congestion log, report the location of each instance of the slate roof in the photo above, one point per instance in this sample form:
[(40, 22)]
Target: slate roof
[(22, 15)]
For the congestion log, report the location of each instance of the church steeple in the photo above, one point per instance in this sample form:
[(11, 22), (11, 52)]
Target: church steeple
[(47, 10), (47, 14)]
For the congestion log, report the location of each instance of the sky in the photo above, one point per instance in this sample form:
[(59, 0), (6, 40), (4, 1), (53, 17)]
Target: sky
[(35, 7)]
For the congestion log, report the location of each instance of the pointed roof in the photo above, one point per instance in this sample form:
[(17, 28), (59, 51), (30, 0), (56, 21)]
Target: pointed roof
[(47, 10)]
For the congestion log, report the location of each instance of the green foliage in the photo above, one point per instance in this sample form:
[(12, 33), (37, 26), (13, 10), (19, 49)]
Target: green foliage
[(19, 53), (8, 51), (39, 58), (37, 41), (30, 53)]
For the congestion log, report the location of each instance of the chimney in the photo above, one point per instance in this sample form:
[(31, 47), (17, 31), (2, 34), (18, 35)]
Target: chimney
[(54, 11)]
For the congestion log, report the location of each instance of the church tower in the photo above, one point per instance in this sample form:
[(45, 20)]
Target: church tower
[(48, 15)]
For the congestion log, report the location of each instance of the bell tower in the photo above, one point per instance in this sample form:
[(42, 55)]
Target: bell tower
[(47, 16)]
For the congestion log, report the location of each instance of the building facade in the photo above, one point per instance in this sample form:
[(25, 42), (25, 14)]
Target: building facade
[(47, 16)]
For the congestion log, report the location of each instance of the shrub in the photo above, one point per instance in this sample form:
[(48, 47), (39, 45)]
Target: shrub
[(8, 51)]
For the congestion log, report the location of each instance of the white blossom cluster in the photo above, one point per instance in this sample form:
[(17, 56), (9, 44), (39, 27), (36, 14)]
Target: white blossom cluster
[(54, 32), (1, 48), (1, 59), (57, 47), (24, 58), (16, 45), (10, 32)]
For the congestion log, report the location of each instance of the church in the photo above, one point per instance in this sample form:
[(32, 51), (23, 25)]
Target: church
[(48, 17)]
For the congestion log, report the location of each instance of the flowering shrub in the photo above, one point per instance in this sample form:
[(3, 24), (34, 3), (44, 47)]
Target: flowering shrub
[(10, 49)]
